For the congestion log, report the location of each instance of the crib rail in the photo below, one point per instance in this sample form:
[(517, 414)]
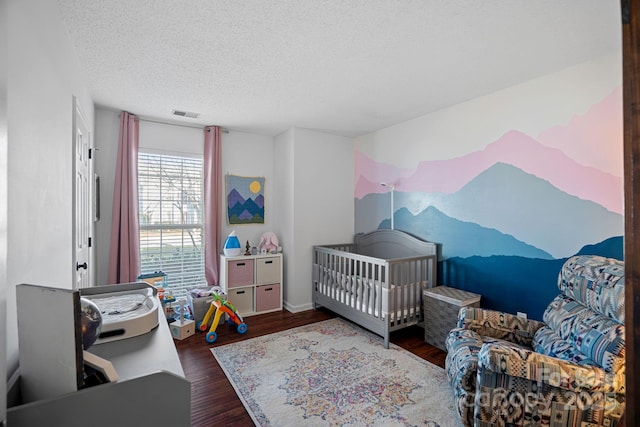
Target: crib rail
[(350, 279)]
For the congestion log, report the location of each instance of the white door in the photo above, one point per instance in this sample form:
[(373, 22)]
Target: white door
[(82, 218)]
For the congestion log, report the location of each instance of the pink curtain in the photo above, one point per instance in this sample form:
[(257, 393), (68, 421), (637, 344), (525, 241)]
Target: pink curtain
[(212, 198), (124, 253)]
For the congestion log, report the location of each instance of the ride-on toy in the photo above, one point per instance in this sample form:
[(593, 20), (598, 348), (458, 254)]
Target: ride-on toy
[(219, 306)]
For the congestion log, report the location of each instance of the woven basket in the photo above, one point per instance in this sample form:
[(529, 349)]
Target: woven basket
[(441, 306)]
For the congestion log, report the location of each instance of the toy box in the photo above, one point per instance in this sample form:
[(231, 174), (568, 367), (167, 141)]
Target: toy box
[(199, 301)]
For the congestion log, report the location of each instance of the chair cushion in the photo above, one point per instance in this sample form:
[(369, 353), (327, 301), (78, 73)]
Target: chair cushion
[(595, 282), (517, 362), (518, 387), (500, 325), (549, 343), (599, 338)]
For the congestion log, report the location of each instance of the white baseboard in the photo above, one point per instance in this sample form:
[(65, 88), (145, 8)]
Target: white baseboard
[(296, 308)]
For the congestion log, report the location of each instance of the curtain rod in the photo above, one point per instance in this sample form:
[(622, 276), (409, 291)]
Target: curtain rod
[(223, 130)]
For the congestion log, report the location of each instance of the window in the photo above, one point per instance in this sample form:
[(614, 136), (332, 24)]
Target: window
[(171, 220)]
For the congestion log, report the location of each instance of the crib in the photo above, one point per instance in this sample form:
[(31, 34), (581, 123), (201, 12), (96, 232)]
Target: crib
[(377, 281)]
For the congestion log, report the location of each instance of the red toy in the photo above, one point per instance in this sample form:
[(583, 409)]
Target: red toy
[(219, 306)]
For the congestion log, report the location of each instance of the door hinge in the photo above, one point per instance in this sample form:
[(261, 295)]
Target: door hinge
[(89, 241), (90, 153)]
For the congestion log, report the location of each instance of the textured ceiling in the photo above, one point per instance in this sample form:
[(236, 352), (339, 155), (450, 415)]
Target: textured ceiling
[(347, 67)]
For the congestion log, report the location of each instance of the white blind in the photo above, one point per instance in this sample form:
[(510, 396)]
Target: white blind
[(171, 220)]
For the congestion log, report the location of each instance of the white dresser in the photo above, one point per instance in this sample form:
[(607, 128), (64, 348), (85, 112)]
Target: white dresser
[(253, 283)]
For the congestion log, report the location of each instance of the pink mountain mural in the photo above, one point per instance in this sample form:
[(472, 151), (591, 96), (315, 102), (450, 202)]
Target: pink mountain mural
[(515, 148), (583, 158), (595, 138)]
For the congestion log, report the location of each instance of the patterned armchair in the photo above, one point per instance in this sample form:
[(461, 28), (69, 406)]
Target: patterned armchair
[(566, 371)]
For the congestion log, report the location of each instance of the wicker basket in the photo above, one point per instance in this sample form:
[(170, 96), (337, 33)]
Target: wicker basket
[(441, 307)]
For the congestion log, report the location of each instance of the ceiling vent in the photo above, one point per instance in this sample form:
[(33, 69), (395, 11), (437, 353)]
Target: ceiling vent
[(185, 114)]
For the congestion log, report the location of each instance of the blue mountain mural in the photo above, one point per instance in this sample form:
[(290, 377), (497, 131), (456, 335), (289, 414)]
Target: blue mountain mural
[(542, 216), (512, 284), (531, 209), (610, 248), (506, 283), (459, 238)]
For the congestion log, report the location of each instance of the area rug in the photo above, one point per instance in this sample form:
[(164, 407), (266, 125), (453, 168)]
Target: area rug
[(334, 373)]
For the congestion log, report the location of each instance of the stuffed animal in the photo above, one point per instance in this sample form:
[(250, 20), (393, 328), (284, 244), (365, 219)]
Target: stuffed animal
[(269, 242)]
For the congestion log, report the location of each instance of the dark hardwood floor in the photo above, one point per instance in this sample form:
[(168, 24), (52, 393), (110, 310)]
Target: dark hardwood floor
[(213, 399)]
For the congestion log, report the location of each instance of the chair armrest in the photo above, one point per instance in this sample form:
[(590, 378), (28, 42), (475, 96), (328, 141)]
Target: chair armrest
[(498, 324), (519, 362)]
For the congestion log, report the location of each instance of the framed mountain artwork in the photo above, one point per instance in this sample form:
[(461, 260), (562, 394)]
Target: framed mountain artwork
[(245, 200)]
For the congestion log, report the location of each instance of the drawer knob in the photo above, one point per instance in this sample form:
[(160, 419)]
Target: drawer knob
[(268, 262)]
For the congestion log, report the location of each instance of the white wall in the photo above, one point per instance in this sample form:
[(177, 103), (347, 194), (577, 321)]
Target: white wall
[(249, 154), (320, 202), (43, 76), (284, 181)]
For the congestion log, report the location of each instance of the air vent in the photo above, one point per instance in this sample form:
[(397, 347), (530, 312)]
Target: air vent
[(185, 114)]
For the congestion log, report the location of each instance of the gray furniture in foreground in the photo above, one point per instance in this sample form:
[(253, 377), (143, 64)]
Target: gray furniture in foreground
[(151, 389)]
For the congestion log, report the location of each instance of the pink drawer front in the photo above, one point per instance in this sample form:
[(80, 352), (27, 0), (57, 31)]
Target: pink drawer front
[(240, 272), (267, 297)]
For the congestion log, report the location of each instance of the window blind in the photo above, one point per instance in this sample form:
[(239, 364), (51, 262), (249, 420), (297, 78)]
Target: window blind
[(171, 219)]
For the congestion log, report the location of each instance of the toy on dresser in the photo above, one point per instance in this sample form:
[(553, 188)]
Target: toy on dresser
[(269, 243)]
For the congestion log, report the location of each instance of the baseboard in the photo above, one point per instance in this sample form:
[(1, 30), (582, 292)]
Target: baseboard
[(296, 308)]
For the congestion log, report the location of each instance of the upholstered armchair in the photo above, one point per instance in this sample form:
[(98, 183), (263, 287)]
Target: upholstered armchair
[(565, 371)]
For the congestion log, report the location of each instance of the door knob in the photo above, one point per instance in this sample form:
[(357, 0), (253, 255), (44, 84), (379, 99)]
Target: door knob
[(79, 266)]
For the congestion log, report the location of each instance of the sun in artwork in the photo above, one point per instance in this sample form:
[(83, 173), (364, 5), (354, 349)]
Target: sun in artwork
[(255, 187)]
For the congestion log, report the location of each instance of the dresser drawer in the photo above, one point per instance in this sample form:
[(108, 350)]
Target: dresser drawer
[(268, 270), (241, 299), (268, 297), (240, 272)]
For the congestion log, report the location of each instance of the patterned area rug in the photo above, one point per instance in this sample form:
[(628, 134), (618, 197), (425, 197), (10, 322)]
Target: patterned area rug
[(335, 373)]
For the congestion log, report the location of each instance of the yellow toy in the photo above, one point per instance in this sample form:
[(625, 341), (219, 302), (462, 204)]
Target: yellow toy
[(220, 306)]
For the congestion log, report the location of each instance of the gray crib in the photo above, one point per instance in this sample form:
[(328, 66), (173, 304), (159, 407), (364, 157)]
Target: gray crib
[(377, 281)]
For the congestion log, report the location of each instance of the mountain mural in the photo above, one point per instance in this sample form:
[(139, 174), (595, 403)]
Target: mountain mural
[(514, 148), (612, 247), (541, 216), (508, 211), (531, 209), (463, 239), (584, 136), (506, 282)]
